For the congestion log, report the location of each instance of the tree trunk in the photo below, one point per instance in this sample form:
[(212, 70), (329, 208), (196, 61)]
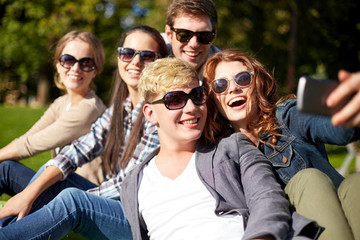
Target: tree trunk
[(292, 45), (43, 88)]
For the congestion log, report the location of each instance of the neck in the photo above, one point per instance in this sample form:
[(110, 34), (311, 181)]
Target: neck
[(134, 96), (172, 162), (76, 97)]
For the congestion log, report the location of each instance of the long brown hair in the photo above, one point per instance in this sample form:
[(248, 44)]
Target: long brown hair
[(263, 94), (116, 136)]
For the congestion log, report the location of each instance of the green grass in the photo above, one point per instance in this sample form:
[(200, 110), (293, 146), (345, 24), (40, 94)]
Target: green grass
[(15, 121)]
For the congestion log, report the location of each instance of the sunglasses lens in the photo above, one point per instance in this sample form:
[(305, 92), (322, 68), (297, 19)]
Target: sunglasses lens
[(205, 37), (184, 35), (147, 56), (219, 85), (126, 54), (243, 79), (175, 100), (197, 96), (87, 64), (67, 61)]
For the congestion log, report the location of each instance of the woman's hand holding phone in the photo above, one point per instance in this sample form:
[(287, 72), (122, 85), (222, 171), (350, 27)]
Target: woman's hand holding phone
[(348, 115)]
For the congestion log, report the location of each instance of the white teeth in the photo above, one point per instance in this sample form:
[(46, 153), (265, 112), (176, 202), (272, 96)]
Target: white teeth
[(74, 77), (134, 71), (191, 54), (236, 99), (192, 121)]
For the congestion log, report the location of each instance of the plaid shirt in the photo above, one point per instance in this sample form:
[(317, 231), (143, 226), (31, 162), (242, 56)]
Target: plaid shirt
[(91, 145)]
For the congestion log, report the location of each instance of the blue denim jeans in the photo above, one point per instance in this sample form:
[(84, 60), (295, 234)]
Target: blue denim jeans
[(75, 210)]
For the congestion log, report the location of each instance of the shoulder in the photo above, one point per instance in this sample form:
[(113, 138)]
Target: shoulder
[(285, 106), (92, 99), (237, 145), (91, 103), (60, 100), (286, 111)]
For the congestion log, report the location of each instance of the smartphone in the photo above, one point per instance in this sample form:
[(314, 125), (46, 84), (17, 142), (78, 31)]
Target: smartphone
[(312, 94)]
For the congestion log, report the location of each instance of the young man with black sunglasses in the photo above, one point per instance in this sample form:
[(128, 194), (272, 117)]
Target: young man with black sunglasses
[(191, 27)]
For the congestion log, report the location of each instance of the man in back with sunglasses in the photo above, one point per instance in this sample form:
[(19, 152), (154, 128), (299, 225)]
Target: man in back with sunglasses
[(191, 27)]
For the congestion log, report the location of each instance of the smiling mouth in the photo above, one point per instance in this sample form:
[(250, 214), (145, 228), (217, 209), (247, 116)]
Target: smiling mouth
[(192, 121), (238, 101), (76, 78), (192, 54), (134, 71)]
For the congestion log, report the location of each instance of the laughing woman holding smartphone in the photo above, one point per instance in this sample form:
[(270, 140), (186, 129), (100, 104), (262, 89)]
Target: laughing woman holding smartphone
[(79, 57)]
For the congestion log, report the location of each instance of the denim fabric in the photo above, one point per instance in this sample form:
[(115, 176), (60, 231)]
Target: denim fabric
[(302, 143), (13, 170), (72, 210), (11, 182)]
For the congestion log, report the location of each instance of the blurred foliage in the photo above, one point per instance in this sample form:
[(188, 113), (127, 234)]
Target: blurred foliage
[(311, 37)]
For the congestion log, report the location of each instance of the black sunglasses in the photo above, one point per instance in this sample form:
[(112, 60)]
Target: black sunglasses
[(242, 79), (178, 99), (184, 35), (128, 54), (85, 64)]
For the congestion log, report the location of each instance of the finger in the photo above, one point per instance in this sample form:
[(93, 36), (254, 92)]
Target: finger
[(351, 109), (22, 214), (352, 122), (6, 212), (350, 84), (343, 75)]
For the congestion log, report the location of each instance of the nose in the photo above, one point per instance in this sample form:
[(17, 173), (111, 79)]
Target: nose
[(75, 67), (189, 106), (193, 42), (233, 87), (136, 60)]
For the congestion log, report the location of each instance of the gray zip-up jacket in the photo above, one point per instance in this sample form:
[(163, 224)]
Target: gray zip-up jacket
[(242, 181)]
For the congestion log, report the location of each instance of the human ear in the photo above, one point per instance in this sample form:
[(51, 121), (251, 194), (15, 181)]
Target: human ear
[(149, 113), (168, 33)]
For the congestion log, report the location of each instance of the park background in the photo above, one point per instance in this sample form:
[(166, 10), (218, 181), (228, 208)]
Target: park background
[(291, 37)]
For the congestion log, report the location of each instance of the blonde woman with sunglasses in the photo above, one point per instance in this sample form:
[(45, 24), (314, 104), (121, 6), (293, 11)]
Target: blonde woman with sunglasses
[(79, 58)]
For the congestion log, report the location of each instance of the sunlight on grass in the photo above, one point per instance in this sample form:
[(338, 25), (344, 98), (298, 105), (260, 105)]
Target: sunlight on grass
[(15, 121)]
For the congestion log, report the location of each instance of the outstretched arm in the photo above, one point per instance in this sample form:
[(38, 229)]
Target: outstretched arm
[(349, 115)]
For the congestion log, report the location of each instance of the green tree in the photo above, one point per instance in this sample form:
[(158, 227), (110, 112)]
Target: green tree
[(30, 29), (291, 37)]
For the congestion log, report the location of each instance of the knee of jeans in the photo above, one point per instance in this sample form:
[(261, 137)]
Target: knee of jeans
[(351, 184), (69, 193), (7, 164)]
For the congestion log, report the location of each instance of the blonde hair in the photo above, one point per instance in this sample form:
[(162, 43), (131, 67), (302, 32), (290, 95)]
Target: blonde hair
[(163, 75)]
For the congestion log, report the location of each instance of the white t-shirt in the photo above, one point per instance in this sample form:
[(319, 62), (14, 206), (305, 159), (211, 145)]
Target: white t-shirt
[(182, 208)]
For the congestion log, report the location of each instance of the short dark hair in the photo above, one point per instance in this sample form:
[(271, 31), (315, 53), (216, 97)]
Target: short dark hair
[(193, 7)]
